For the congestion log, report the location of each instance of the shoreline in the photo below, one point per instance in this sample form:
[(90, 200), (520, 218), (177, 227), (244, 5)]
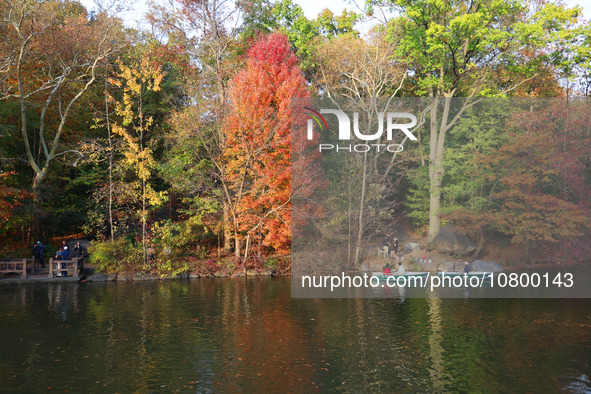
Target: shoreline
[(127, 277), (144, 277)]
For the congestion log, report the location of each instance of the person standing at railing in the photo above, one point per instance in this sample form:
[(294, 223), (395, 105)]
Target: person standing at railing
[(78, 250), (38, 250), (65, 252)]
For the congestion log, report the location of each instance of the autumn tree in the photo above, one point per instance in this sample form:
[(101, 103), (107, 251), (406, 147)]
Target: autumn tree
[(521, 175), (470, 183), (11, 200), (472, 49), (543, 200), (303, 33), (51, 56), (368, 74), (257, 154), (206, 31), (137, 82)]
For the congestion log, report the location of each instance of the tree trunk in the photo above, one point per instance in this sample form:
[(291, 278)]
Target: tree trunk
[(246, 248), (434, 206), (361, 210), (226, 227), (141, 117), (434, 179), (436, 170), (479, 245), (238, 247), (144, 214), (35, 219), (349, 218), (108, 122)]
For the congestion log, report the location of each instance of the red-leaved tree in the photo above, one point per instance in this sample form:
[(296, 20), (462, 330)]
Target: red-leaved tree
[(11, 198), (257, 154), (543, 199)]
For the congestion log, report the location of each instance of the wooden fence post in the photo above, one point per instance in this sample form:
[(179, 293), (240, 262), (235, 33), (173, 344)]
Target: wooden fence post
[(50, 268), (76, 267), (24, 268)]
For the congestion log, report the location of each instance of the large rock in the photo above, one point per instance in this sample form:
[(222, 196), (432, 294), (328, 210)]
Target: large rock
[(183, 275), (98, 277), (446, 266), (143, 276), (432, 266), (376, 265), (124, 277), (101, 277), (412, 246), (451, 241), (486, 266)]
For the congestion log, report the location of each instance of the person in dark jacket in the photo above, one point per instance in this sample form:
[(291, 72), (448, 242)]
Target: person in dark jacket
[(78, 250), (38, 250)]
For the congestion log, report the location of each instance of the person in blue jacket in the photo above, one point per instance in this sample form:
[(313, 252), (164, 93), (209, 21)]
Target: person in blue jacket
[(65, 253), (466, 267)]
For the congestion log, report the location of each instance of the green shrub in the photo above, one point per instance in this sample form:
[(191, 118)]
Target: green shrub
[(173, 244), (117, 256)]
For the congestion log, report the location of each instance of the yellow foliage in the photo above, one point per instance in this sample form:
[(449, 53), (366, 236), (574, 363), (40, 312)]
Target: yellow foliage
[(136, 81)]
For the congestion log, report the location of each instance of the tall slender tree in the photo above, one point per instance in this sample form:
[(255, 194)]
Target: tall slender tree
[(135, 128), (257, 153)]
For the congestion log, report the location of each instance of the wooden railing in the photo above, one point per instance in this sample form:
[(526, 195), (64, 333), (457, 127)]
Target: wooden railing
[(70, 266), (14, 266)]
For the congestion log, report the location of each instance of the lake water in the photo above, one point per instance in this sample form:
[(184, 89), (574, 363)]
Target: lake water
[(227, 335)]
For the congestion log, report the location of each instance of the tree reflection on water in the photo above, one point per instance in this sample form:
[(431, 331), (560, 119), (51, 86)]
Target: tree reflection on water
[(249, 335)]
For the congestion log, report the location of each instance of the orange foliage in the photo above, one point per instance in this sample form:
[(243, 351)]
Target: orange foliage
[(257, 155), (10, 198)]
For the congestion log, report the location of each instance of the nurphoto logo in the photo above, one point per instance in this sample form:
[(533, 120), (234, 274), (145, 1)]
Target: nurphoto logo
[(395, 121)]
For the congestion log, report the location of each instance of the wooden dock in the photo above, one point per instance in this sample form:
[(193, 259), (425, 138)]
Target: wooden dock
[(35, 274)]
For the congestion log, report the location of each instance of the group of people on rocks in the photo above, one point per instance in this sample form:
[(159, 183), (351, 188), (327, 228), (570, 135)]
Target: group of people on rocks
[(390, 245)]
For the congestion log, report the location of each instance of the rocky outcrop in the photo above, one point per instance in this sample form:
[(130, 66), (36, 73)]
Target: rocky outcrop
[(124, 277), (412, 246), (486, 266), (447, 266), (101, 277), (140, 277), (451, 241)]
